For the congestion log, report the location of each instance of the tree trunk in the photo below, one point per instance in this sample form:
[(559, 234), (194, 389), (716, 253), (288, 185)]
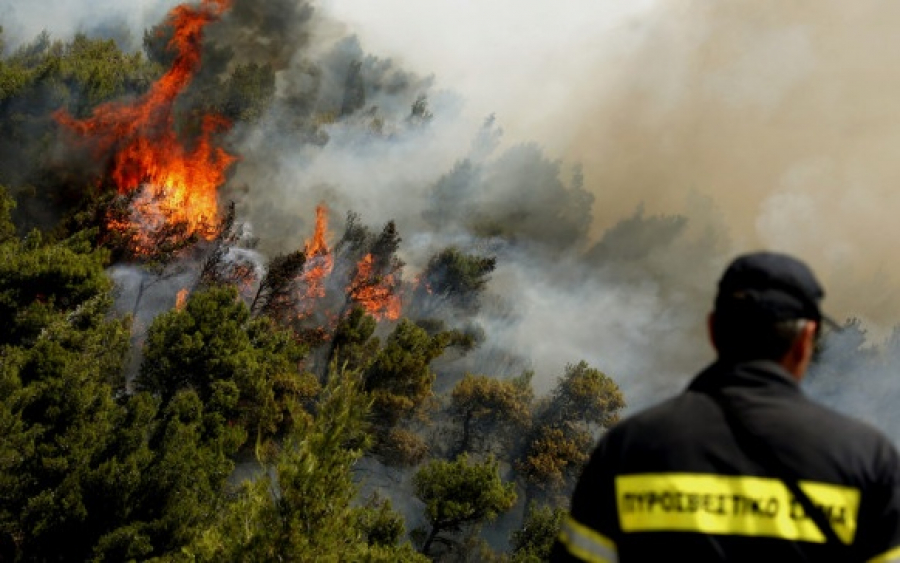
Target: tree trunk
[(140, 294), (426, 547), (467, 434), (332, 347), (529, 493)]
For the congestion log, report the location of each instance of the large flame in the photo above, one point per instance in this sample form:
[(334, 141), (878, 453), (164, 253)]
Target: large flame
[(377, 294), (181, 181)]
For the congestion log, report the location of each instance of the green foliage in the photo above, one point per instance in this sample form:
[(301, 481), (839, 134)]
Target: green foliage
[(79, 74), (400, 378), (7, 204), (353, 340), (381, 524), (66, 461), (183, 484), (533, 542), (453, 278), (37, 80), (585, 393), (554, 457), (38, 279), (87, 471), (459, 493), (400, 382), (245, 369), (301, 507), (489, 409), (59, 421), (560, 439)]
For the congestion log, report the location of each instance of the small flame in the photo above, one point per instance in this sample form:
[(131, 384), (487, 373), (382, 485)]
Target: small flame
[(181, 299), (378, 296), (319, 262), (145, 147), (420, 282), (317, 245)]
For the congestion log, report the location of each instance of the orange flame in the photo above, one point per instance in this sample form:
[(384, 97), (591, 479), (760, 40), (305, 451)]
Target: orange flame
[(181, 299), (319, 259), (317, 245), (144, 143), (420, 282), (378, 296)]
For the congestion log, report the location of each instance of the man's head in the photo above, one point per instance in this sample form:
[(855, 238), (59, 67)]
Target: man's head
[(767, 303)]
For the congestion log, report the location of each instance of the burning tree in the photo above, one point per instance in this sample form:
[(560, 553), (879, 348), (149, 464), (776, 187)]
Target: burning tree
[(167, 181), (376, 271), (453, 278)]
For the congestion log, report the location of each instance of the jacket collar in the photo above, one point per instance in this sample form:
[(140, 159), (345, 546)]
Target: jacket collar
[(753, 374)]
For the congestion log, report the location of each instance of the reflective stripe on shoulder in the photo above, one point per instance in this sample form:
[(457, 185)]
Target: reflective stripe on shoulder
[(732, 505), (888, 556), (587, 544)]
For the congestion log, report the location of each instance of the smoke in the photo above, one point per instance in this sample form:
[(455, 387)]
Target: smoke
[(777, 116), (634, 148), (124, 21), (783, 116)]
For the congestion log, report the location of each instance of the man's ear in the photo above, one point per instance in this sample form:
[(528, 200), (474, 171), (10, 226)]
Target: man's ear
[(801, 353)]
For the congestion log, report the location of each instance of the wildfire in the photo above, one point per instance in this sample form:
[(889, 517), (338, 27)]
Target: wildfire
[(181, 299), (180, 181), (376, 294), (421, 283), (319, 263)]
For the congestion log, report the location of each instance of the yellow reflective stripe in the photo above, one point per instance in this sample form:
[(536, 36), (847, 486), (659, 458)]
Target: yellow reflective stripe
[(732, 505), (586, 543), (887, 556)]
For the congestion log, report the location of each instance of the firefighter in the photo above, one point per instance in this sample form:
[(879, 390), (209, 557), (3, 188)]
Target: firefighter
[(742, 466)]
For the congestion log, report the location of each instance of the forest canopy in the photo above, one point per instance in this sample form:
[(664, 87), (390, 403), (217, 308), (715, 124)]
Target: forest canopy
[(315, 404)]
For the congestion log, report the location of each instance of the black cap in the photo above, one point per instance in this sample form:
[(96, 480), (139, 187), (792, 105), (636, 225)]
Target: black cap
[(770, 287)]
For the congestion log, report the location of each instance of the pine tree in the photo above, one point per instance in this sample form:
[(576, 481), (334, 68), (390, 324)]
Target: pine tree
[(458, 494)]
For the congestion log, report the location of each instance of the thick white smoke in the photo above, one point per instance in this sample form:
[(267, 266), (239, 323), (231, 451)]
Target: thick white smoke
[(783, 116), (762, 123)]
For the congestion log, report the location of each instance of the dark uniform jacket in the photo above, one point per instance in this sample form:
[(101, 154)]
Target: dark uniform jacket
[(675, 483)]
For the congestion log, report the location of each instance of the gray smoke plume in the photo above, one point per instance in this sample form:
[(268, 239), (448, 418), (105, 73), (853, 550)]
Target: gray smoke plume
[(612, 157), (776, 117)]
